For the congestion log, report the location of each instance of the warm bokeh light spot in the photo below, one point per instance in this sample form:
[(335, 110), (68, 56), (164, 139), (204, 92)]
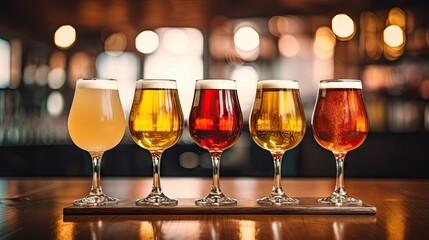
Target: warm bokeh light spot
[(115, 44), (288, 45), (246, 39), (324, 43), (393, 36), (396, 17), (65, 37), (147, 42), (176, 41), (343, 26)]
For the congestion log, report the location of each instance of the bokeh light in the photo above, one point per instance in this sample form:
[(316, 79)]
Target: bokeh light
[(115, 44), (393, 36), (246, 39), (288, 45), (343, 27), (324, 43), (396, 17), (55, 104), (176, 41), (5, 55), (147, 42), (65, 37)]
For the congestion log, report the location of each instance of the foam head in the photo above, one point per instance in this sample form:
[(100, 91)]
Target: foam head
[(156, 84), (278, 84), (341, 83), (97, 83), (215, 84)]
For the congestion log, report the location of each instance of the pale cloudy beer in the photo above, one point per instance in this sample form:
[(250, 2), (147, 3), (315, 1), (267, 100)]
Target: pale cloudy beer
[(96, 123), (96, 120)]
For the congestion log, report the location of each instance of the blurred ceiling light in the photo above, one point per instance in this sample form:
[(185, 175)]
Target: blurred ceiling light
[(324, 43), (15, 63), (147, 42), (246, 39), (393, 36), (56, 78), (41, 75), (81, 65), (65, 37), (55, 104), (246, 77), (115, 44), (58, 59), (5, 57), (343, 27), (396, 17), (288, 45), (176, 41), (324, 38), (272, 26)]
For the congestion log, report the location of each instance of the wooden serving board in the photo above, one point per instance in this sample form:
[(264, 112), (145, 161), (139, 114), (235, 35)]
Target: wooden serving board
[(244, 206)]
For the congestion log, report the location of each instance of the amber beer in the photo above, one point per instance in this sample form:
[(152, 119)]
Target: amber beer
[(96, 120), (156, 119), (277, 121), (340, 122), (215, 119)]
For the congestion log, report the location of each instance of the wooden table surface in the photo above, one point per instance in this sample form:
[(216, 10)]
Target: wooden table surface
[(402, 210)]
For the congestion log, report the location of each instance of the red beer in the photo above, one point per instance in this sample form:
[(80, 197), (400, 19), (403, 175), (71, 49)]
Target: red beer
[(215, 120)]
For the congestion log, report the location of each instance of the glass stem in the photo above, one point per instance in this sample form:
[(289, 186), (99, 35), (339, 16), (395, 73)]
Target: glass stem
[(277, 188), (96, 165), (215, 156), (156, 163), (339, 183)]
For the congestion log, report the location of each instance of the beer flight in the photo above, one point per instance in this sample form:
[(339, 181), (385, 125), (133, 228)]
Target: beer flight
[(277, 124)]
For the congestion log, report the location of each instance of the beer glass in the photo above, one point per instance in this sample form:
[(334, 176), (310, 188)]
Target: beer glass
[(277, 124), (215, 124), (340, 124), (96, 123), (156, 123)]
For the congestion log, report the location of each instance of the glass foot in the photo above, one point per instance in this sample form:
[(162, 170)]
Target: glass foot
[(96, 200), (277, 200), (340, 200), (156, 200), (215, 200)]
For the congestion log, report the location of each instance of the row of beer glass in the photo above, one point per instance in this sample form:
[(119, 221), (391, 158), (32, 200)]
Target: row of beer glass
[(277, 123)]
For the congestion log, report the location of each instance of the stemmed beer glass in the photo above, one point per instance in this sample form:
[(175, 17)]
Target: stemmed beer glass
[(96, 123), (340, 124), (215, 123), (277, 124), (156, 123)]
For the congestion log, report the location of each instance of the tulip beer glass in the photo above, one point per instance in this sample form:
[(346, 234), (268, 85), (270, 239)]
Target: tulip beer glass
[(277, 124), (96, 123), (340, 124), (215, 124), (156, 123)]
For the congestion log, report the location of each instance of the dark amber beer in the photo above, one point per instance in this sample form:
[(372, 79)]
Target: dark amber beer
[(340, 124)]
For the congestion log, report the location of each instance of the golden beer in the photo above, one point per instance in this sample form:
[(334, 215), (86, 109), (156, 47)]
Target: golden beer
[(96, 121), (156, 119), (277, 121)]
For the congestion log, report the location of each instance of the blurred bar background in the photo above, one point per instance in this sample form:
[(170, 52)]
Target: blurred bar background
[(46, 45)]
